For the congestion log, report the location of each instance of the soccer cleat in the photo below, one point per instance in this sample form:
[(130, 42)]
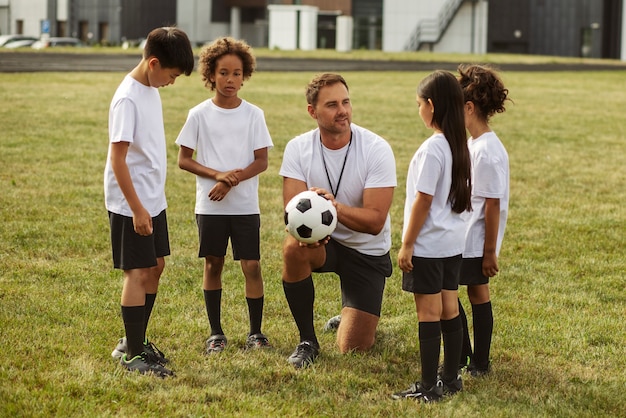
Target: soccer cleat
[(304, 354), (333, 323), (153, 351), (476, 371), (257, 341), (453, 386), (216, 344), (120, 349), (419, 393), (148, 347), (144, 364)]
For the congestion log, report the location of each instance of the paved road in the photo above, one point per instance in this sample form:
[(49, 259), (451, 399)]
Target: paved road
[(40, 61)]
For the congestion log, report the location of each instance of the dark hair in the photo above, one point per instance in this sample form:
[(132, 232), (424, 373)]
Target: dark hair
[(443, 89), (217, 49), (171, 47), (482, 86), (319, 81)]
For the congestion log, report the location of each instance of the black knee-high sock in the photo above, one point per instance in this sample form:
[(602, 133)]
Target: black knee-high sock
[(150, 299), (452, 331), (483, 329), (255, 310), (134, 317), (430, 347), (300, 297), (466, 351), (213, 303)]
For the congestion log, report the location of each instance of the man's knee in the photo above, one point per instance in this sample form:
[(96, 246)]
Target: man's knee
[(357, 330)]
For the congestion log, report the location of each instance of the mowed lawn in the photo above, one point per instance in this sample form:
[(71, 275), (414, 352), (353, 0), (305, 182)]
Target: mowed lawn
[(559, 346)]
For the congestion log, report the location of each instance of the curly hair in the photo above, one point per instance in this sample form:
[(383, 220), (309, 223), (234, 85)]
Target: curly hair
[(207, 60), (482, 86)]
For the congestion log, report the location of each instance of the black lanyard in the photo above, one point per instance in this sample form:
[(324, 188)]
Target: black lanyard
[(335, 191)]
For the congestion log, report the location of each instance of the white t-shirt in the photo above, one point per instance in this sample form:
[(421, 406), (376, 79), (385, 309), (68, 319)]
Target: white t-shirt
[(490, 179), (370, 164), (430, 172), (136, 116), (225, 139)]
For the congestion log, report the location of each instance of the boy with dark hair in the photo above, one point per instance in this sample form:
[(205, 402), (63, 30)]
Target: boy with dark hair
[(134, 189)]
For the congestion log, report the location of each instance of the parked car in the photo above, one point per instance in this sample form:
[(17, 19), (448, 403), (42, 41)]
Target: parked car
[(53, 42), (6, 40), (20, 44)]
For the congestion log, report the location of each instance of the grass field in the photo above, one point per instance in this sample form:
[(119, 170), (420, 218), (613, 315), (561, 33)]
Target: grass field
[(559, 346)]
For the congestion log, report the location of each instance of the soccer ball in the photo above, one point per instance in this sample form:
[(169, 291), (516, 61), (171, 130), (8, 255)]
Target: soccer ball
[(310, 217)]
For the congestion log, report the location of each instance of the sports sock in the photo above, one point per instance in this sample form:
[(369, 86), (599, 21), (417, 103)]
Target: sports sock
[(452, 331), (150, 298), (133, 317), (466, 351), (255, 310), (300, 297), (213, 303), (483, 329), (430, 347)]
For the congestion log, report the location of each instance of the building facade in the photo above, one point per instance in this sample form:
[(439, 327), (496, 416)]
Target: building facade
[(577, 28)]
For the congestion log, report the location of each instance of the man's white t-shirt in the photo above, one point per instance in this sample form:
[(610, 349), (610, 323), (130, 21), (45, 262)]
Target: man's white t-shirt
[(369, 164), (225, 139), (136, 116), (490, 179), (430, 172)]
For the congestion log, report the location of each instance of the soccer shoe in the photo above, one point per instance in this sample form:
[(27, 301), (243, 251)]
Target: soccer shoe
[(332, 324), (148, 347), (419, 393), (304, 354), (476, 371), (216, 344), (145, 365), (453, 386), (152, 350), (257, 341), (120, 349)]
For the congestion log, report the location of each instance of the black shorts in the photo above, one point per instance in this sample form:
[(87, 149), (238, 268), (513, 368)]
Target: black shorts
[(362, 276), (134, 251), (472, 272), (243, 231), (432, 275)]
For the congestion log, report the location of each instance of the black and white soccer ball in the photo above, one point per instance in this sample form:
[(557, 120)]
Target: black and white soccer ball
[(310, 217)]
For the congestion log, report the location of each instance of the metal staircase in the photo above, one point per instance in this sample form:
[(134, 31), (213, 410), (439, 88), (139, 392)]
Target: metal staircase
[(430, 31)]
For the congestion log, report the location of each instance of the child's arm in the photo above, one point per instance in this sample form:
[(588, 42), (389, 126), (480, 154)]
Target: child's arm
[(221, 189), (419, 212), (186, 162), (492, 222), (258, 166), (142, 221)]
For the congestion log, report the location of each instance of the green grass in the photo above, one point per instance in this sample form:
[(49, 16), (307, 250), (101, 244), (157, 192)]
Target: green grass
[(559, 301)]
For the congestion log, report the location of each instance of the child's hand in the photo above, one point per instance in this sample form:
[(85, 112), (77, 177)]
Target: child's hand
[(490, 264), (231, 177), (405, 259), (219, 191), (142, 222)]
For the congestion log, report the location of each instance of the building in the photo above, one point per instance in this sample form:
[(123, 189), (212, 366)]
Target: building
[(577, 28)]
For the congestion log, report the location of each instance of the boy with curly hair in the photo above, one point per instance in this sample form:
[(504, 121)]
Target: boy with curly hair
[(231, 141)]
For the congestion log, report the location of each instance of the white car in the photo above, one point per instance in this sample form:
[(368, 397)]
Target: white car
[(6, 40), (54, 41)]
